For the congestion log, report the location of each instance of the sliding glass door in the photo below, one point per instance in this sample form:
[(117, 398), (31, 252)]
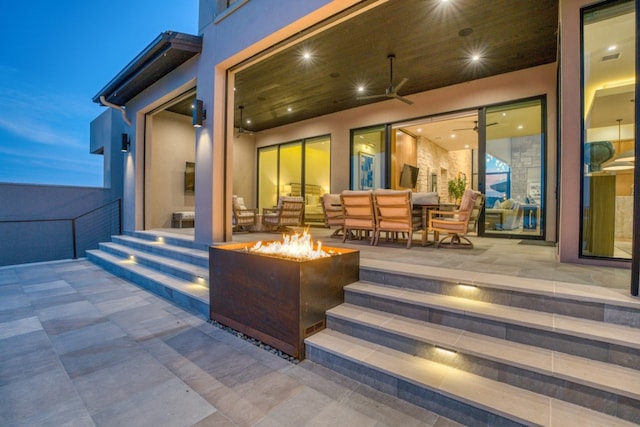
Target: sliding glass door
[(514, 169)]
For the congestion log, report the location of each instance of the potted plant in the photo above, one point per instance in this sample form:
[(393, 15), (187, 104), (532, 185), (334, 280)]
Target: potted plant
[(456, 187)]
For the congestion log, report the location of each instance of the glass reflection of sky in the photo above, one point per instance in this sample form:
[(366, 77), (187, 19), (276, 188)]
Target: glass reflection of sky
[(493, 164)]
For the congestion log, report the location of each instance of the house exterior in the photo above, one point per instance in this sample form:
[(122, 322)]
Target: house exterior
[(557, 182)]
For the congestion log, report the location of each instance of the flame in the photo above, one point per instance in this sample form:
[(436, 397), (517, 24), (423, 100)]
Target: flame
[(295, 246)]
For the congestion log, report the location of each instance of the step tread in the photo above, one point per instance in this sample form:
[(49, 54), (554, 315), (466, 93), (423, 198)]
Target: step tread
[(590, 329), (181, 265), (556, 289), (503, 399), (600, 375), (175, 248), (192, 289)]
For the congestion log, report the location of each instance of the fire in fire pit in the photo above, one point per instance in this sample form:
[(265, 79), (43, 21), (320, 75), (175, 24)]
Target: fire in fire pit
[(295, 246)]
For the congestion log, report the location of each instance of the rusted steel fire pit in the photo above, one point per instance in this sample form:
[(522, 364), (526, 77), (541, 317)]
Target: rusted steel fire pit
[(277, 300)]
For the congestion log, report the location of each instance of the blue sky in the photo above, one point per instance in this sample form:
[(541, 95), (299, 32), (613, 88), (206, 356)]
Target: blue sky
[(54, 57)]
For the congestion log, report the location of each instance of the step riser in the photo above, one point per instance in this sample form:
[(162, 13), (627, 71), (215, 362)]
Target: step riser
[(153, 286), (184, 243), (581, 309), (605, 352), (163, 251), (428, 399), (599, 400), (164, 268)]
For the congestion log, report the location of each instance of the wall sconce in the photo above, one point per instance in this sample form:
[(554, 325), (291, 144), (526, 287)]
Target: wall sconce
[(199, 113), (126, 143)]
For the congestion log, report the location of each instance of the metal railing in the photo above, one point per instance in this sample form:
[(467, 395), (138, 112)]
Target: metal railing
[(34, 240)]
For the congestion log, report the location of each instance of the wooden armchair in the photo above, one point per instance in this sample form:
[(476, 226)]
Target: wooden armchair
[(333, 213), (289, 212), (359, 214), (456, 224), (242, 216), (394, 214)]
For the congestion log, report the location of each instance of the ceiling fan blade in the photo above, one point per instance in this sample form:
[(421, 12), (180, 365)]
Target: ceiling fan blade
[(491, 124), (403, 99), (402, 82), (453, 130), (359, 98)]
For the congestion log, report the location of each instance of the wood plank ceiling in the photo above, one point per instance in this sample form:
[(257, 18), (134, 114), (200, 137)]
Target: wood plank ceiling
[(433, 42)]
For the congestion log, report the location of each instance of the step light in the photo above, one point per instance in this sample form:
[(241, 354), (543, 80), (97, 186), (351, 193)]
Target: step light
[(445, 350), (468, 286)]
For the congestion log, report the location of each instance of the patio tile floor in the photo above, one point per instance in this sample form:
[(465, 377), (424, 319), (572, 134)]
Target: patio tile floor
[(79, 346)]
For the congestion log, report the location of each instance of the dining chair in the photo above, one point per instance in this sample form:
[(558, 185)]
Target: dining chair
[(456, 224), (394, 214), (359, 214)]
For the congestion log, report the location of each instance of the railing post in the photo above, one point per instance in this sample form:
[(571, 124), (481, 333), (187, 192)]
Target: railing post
[(73, 234)]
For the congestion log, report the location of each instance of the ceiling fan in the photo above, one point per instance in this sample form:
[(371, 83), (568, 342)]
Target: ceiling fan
[(475, 126), (241, 130), (391, 91)]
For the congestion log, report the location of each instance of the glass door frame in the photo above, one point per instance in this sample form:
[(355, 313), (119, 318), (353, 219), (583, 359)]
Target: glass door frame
[(482, 152)]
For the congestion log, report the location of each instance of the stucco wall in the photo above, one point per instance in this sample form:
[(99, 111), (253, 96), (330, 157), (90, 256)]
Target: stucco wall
[(172, 145)]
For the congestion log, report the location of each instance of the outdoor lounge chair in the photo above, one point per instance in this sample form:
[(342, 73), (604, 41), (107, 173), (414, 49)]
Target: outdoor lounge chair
[(289, 212), (242, 216)]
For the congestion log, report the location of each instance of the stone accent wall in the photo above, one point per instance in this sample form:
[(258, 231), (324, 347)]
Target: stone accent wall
[(433, 159), (526, 158)]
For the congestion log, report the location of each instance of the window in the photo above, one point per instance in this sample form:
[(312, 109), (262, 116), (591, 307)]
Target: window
[(368, 158), (608, 113), (299, 168)]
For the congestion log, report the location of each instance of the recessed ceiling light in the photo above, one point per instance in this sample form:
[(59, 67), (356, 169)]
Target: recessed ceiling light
[(475, 58), (419, 129), (248, 121), (453, 135), (466, 145), (612, 47), (520, 127), (504, 114), (289, 109), (306, 55), (360, 88)]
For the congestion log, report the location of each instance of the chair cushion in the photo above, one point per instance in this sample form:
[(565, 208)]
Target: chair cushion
[(468, 200)]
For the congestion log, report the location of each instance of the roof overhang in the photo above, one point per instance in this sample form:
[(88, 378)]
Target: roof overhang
[(166, 53)]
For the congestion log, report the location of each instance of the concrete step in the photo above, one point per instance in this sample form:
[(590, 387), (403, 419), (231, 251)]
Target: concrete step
[(462, 396), (569, 299), (613, 389), (169, 238), (160, 247), (187, 294), (180, 269), (591, 339)]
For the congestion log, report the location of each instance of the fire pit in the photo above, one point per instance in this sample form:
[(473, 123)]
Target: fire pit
[(279, 298)]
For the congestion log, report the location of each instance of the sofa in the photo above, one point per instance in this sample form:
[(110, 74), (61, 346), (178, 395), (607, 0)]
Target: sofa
[(504, 215)]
